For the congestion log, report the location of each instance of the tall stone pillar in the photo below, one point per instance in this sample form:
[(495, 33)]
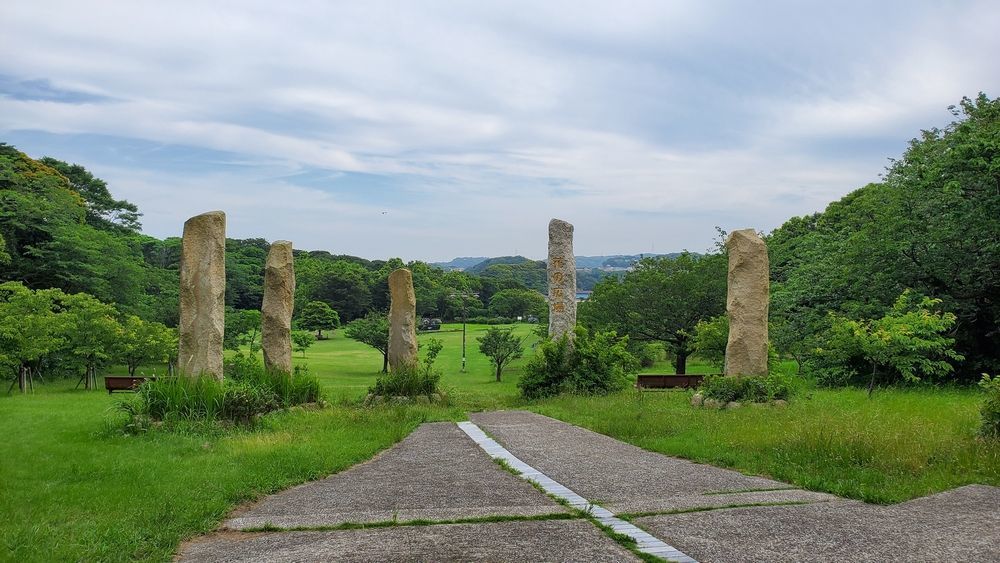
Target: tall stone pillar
[(747, 303), (202, 295), (276, 312), (402, 320), (562, 279)]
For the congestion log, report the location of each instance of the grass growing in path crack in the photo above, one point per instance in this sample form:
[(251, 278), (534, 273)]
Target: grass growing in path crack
[(745, 491), (416, 522), (633, 515)]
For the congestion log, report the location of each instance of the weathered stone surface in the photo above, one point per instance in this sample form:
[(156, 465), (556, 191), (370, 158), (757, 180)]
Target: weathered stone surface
[(202, 295), (562, 279), (402, 320), (747, 303), (276, 312)]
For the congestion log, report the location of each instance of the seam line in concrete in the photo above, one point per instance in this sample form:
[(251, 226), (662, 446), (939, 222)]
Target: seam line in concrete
[(645, 541)]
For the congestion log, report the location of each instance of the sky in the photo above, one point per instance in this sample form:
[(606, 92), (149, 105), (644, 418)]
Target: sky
[(429, 130)]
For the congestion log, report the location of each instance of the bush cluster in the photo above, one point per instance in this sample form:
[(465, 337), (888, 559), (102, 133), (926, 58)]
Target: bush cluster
[(598, 364), (991, 407), (247, 391), (414, 380), (749, 389)]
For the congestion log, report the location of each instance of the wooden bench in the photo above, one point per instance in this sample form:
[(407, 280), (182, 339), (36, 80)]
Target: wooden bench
[(668, 381), (124, 382)]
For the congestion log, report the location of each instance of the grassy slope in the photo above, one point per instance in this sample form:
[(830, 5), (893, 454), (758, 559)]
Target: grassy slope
[(72, 489)]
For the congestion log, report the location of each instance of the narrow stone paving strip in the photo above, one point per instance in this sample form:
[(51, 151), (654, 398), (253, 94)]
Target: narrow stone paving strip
[(645, 541)]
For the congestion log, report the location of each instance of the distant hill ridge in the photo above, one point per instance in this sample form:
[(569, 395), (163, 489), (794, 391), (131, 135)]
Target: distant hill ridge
[(478, 264)]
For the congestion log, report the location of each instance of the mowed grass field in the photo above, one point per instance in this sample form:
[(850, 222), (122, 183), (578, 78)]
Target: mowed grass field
[(74, 487)]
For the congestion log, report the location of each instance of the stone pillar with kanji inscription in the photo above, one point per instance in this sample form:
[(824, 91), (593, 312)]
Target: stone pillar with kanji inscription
[(562, 279)]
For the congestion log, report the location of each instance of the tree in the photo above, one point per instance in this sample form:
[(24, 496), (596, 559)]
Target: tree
[(302, 340), (318, 316), (30, 329), (501, 347), (103, 211), (92, 332), (373, 330), (517, 302), (242, 328), (907, 344), (661, 300), (930, 225), (711, 338), (144, 341)]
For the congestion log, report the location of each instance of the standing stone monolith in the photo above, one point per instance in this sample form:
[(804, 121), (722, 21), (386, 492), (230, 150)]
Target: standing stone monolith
[(276, 312), (202, 295), (562, 279), (402, 320), (747, 303)]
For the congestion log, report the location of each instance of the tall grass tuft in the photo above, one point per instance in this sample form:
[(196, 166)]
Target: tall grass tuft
[(248, 392)]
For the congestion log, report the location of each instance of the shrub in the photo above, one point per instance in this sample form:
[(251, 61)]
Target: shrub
[(750, 389), (548, 372), (413, 380), (907, 345), (991, 407), (599, 363)]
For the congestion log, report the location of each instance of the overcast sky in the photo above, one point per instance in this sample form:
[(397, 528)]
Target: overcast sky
[(430, 130)]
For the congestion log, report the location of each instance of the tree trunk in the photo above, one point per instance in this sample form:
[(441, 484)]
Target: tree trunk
[(871, 384), (319, 334), (498, 373), (681, 362), (385, 362), (131, 369), (22, 379)]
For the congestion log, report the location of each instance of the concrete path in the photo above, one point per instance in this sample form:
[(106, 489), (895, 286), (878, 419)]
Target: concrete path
[(470, 508)]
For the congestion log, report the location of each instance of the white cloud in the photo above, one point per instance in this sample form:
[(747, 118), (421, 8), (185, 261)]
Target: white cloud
[(648, 123)]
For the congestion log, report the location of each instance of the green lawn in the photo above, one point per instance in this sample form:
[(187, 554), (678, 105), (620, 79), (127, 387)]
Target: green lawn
[(75, 488)]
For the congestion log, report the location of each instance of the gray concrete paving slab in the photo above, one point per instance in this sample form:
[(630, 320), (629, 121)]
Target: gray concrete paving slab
[(436, 473), (544, 540), (958, 525), (624, 478)]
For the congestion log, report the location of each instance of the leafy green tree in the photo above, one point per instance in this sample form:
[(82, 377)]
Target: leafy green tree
[(501, 347), (318, 316), (343, 285), (141, 342), (661, 300), (242, 329), (711, 337), (907, 344), (373, 330), (301, 340), (930, 225), (517, 302), (92, 333), (30, 329), (103, 210)]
